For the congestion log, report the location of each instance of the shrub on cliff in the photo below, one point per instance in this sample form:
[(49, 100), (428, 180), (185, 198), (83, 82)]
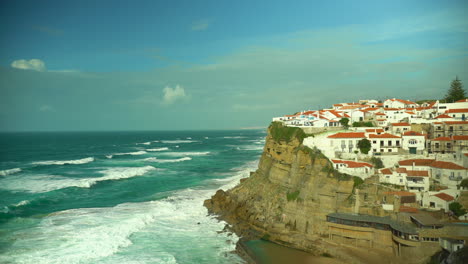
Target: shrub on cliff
[(377, 162), (457, 208), (284, 133), (364, 145), (363, 124)]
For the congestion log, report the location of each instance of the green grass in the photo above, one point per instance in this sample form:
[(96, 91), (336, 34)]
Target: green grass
[(292, 196), (357, 182), (284, 133)]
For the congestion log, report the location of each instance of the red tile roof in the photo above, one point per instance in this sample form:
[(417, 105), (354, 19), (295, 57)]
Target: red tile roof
[(391, 109), (386, 135), (400, 124), (460, 137), (445, 197), (400, 170), (408, 209), (413, 133), (417, 162), (386, 171), (348, 135), (374, 130), (462, 101), (443, 116), (414, 173), (461, 110), (456, 122), (447, 165), (379, 114)]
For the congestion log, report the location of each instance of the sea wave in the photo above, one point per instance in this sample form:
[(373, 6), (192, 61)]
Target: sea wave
[(10, 171), (158, 149), (99, 235), (64, 162), (178, 154), (39, 183), (177, 141), (144, 143), (172, 160), (135, 153), (235, 137)]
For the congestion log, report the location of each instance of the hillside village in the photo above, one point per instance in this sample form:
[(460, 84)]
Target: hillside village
[(419, 150)]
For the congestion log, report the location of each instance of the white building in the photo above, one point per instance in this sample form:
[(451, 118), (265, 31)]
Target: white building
[(437, 201), (345, 141), (414, 142), (385, 143), (360, 169), (393, 176), (448, 173), (399, 103)]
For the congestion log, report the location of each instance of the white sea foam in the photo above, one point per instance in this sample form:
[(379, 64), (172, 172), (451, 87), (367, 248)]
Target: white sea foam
[(172, 160), (179, 154), (206, 137), (235, 137), (188, 138), (109, 156), (141, 152), (10, 171), (64, 162), (39, 183), (96, 235), (24, 202), (178, 141), (158, 149), (144, 143), (153, 159)]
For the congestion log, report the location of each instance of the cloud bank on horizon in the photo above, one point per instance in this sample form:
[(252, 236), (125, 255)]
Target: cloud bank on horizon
[(234, 79)]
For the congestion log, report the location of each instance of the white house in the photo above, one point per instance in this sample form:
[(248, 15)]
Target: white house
[(437, 201), (360, 169), (460, 114), (399, 128), (417, 180), (448, 173), (399, 103), (416, 164), (385, 143), (393, 176), (451, 245), (345, 141), (414, 142)]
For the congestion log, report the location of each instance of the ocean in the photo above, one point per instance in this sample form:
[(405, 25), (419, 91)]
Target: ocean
[(119, 197)]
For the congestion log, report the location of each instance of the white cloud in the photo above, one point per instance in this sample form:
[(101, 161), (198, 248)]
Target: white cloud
[(46, 108), (200, 25), (33, 64), (173, 94)]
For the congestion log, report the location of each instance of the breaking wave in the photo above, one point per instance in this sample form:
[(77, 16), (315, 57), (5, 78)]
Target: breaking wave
[(158, 149), (10, 171), (64, 162)]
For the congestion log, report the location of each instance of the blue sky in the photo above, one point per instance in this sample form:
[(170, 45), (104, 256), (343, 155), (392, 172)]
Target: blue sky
[(151, 65)]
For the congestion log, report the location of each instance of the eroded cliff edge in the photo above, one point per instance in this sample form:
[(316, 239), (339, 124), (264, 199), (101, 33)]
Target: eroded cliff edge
[(287, 199)]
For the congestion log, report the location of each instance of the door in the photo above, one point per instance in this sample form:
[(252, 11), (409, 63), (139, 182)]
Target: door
[(412, 150)]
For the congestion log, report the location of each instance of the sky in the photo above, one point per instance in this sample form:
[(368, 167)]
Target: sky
[(190, 65)]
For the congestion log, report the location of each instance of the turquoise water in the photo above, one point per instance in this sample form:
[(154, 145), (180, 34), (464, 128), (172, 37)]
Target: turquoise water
[(119, 197)]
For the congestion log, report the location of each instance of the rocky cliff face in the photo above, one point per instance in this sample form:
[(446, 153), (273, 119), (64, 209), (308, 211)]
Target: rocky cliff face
[(287, 199)]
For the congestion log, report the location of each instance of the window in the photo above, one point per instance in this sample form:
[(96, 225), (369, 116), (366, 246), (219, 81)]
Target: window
[(412, 141), (375, 141), (436, 145), (389, 150), (381, 150), (374, 150), (398, 143), (389, 143)]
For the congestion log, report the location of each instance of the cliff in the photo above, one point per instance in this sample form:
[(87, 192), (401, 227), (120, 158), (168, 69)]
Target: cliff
[(289, 196)]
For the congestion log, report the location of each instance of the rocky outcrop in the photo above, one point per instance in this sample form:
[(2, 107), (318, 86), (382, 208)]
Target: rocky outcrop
[(287, 199)]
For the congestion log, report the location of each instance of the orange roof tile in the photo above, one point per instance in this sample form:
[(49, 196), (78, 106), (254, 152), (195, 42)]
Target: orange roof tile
[(408, 209), (400, 170), (462, 101), (386, 135), (386, 171), (447, 165), (456, 122), (445, 197), (443, 116), (348, 135), (417, 162), (461, 110), (374, 130), (460, 137), (391, 109), (413, 133)]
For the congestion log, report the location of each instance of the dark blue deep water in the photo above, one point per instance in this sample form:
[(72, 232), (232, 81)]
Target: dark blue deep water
[(119, 197)]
